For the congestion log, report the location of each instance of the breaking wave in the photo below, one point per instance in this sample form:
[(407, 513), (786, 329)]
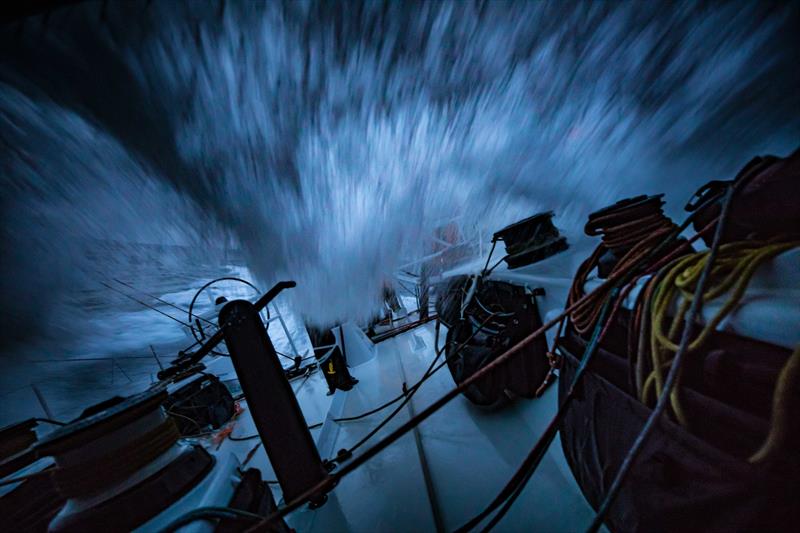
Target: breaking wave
[(325, 142)]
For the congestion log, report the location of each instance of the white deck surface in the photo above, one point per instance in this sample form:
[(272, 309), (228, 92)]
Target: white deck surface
[(471, 453)]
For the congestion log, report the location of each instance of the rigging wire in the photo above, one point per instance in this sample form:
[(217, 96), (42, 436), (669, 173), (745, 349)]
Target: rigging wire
[(486, 270), (165, 302), (438, 404), (159, 311), (177, 307), (367, 413), (494, 266), (405, 287), (255, 436), (287, 356), (195, 343), (407, 393), (401, 395), (489, 257), (516, 484), (307, 376), (194, 317)]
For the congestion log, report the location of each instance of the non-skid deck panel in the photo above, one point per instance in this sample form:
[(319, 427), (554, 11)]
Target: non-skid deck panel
[(471, 454), (388, 492)]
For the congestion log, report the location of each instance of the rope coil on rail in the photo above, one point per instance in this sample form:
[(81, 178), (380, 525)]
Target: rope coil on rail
[(731, 273), (654, 247), (89, 476), (661, 404), (630, 230)]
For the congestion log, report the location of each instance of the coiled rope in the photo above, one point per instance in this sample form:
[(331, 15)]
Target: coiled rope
[(92, 475), (785, 407), (631, 233), (89, 476), (731, 273)]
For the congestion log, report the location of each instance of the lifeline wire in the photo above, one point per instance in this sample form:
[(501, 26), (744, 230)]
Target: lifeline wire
[(165, 302), (159, 311)]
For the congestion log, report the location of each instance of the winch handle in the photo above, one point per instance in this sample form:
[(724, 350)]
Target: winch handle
[(217, 337), (270, 295)]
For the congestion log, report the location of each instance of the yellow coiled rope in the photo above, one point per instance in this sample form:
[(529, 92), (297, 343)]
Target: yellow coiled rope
[(731, 273), (783, 429)]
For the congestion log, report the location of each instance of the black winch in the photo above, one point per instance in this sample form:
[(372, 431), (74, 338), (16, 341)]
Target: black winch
[(531, 240), (497, 315)]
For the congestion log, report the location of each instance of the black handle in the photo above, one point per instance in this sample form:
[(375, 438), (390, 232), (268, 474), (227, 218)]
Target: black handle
[(192, 359)]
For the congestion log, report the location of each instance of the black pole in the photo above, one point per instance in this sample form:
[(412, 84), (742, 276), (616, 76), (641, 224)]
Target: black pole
[(423, 301), (184, 363), (273, 406)]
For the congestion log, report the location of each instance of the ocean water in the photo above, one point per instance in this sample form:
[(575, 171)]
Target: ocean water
[(168, 143), (129, 336)]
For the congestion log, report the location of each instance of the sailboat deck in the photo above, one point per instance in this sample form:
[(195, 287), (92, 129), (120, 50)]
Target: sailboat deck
[(469, 453)]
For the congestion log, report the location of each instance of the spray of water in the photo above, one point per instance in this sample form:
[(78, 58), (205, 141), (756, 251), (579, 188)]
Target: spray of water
[(327, 141)]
